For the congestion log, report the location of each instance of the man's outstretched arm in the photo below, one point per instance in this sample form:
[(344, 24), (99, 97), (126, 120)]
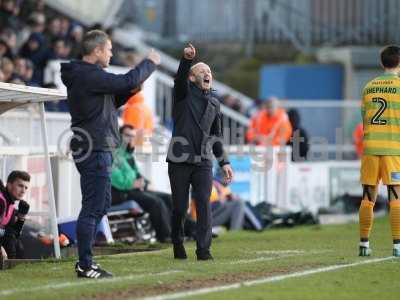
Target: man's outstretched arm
[(100, 81), (181, 78)]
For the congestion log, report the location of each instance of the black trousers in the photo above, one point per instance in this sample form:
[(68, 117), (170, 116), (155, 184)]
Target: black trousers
[(158, 205), (13, 246), (181, 177)]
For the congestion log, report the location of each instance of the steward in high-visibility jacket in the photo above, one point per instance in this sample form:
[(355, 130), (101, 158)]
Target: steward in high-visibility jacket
[(270, 126)]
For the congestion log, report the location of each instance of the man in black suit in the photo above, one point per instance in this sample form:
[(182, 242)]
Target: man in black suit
[(196, 135)]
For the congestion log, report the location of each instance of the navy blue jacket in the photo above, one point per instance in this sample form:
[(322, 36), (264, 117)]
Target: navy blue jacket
[(94, 96)]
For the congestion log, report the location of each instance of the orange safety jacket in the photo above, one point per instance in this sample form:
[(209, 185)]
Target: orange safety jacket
[(269, 130), (138, 114)]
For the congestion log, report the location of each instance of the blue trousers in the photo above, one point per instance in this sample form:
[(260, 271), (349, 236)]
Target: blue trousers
[(95, 171)]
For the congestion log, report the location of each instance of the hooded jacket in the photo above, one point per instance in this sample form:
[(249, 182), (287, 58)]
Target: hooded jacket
[(94, 96)]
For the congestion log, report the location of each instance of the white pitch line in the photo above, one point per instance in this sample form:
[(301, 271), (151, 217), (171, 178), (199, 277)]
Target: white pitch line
[(280, 252), (272, 252), (278, 255), (83, 282), (263, 280), (251, 260), (258, 259)]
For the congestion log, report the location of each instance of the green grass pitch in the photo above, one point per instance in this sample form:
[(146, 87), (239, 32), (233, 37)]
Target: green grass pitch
[(239, 257)]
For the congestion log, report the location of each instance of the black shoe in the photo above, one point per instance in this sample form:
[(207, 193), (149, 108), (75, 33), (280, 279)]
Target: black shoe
[(179, 251), (94, 272), (206, 255)]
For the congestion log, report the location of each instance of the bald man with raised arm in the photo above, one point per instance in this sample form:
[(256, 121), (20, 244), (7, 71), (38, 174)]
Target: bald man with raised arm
[(196, 137)]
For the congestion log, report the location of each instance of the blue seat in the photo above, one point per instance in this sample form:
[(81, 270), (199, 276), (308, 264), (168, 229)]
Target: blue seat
[(127, 205)]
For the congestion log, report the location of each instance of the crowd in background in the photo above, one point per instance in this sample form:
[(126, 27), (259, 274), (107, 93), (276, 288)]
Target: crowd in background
[(31, 35)]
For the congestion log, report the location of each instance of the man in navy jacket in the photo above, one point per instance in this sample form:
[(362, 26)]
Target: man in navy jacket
[(93, 98)]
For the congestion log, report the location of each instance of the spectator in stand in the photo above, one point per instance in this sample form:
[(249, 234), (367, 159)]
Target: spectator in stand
[(20, 66), (5, 51), (36, 24), (53, 29), (358, 136), (29, 73), (9, 12), (28, 6), (65, 25), (10, 38), (232, 102), (76, 36), (35, 50), (299, 139), (23, 33), (270, 126), (61, 49), (7, 68), (228, 100), (2, 76), (139, 115)]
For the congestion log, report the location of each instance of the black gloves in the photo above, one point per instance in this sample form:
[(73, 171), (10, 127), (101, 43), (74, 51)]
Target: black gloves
[(23, 207), (13, 231)]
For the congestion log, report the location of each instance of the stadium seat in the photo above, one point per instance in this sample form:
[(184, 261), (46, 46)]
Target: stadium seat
[(129, 223)]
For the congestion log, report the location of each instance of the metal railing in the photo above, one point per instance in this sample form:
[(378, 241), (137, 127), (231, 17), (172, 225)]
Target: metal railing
[(331, 121), (170, 64)]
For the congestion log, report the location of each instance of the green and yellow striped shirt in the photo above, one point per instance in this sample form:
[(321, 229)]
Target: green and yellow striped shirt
[(380, 109)]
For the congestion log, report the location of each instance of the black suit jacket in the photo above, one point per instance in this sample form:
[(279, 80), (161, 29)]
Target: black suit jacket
[(195, 138)]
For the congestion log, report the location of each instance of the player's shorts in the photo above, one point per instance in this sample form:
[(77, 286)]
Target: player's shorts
[(377, 167)]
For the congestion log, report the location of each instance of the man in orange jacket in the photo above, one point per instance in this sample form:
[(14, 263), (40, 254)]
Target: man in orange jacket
[(139, 115), (270, 126)]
